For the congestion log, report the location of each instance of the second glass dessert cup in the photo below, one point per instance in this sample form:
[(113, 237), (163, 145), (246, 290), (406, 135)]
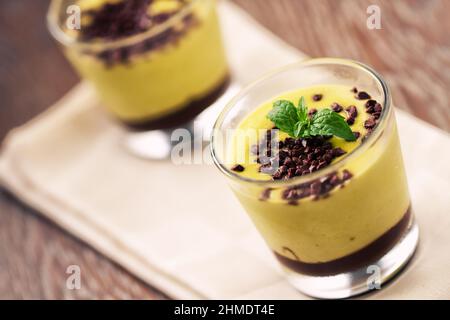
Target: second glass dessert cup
[(362, 231), (152, 74)]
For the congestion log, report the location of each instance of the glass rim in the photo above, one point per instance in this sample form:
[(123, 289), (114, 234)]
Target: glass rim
[(386, 111), (61, 36)]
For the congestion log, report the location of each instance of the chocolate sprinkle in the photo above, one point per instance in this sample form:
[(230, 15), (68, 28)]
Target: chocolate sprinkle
[(378, 107), (238, 168), (265, 194), (312, 112), (371, 103), (294, 157), (336, 107), (352, 113), (370, 123), (350, 121), (354, 90), (317, 189), (298, 157), (346, 175), (374, 109), (362, 95), (376, 115), (317, 97)]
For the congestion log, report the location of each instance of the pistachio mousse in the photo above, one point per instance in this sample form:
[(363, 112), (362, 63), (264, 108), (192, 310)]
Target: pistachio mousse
[(336, 222), (155, 63)]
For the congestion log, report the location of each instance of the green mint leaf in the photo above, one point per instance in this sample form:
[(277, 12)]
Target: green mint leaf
[(302, 129), (285, 116), (326, 122), (302, 110), (296, 122)]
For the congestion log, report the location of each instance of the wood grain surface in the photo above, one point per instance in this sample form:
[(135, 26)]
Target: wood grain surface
[(412, 51)]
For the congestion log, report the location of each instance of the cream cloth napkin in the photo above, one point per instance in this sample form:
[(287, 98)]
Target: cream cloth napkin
[(179, 227)]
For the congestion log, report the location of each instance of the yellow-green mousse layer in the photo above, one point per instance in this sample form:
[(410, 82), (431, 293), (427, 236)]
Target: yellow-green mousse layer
[(352, 215), (160, 81)]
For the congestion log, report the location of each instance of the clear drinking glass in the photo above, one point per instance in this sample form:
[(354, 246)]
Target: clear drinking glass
[(159, 78), (359, 236)]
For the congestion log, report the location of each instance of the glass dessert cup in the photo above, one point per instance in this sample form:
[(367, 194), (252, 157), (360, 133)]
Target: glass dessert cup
[(154, 79), (350, 236)]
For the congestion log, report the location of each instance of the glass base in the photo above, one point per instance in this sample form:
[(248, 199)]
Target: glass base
[(157, 144), (362, 280), (153, 144)]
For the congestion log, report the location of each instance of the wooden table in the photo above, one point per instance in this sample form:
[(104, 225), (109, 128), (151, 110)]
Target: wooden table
[(412, 50)]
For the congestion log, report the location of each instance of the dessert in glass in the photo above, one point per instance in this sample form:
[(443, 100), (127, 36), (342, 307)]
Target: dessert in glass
[(312, 153), (155, 64)]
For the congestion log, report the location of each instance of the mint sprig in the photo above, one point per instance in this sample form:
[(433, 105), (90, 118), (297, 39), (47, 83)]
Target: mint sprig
[(296, 122)]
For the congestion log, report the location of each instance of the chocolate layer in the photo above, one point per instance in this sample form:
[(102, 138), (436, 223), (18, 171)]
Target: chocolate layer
[(115, 21), (358, 259), (182, 115)]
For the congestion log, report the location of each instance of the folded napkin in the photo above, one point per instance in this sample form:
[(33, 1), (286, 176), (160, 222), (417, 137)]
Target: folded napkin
[(178, 227)]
